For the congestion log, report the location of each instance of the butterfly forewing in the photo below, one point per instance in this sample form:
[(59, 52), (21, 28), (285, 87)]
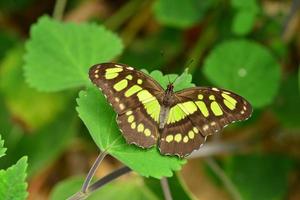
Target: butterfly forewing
[(135, 97)]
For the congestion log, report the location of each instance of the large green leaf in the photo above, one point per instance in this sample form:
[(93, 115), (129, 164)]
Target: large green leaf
[(99, 118), (133, 188), (246, 68), (59, 54), (260, 177), (179, 13), (12, 181)]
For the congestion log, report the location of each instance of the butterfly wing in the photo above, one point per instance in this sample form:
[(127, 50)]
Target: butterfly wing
[(135, 97), (197, 113)]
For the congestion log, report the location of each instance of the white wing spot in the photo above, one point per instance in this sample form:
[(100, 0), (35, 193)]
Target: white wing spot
[(213, 123), (121, 106), (215, 89), (129, 68), (117, 99), (205, 127)]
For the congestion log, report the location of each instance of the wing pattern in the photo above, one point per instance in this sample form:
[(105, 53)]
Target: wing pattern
[(200, 112), (135, 97), (196, 113)]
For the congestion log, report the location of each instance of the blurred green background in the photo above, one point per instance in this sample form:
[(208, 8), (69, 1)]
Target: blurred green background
[(251, 47)]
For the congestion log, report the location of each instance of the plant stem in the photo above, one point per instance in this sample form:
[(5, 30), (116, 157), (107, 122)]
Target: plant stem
[(92, 171), (123, 14), (202, 43), (166, 189), (99, 183), (226, 181), (59, 9), (137, 22), (108, 178)]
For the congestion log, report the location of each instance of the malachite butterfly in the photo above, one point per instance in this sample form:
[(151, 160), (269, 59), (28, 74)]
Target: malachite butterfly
[(177, 122)]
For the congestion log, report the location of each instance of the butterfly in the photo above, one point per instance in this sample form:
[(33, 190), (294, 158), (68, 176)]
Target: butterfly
[(177, 122)]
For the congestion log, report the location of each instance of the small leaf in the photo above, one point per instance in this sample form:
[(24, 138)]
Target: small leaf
[(133, 188), (260, 177), (243, 22), (181, 81), (59, 54), (180, 14), (12, 181), (99, 118), (246, 12), (2, 149), (246, 68)]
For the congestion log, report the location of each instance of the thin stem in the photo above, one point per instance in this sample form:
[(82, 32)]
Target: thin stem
[(92, 171), (166, 189), (226, 181), (59, 9), (202, 43), (123, 14), (108, 178), (137, 22), (99, 183)]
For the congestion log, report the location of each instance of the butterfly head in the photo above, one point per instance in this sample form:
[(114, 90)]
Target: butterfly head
[(170, 88)]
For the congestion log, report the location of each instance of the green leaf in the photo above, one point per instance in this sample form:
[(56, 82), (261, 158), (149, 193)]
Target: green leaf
[(260, 177), (12, 181), (99, 118), (246, 68), (245, 5), (180, 14), (181, 81), (133, 188), (2, 149), (243, 22), (246, 12), (59, 54), (286, 105), (34, 108)]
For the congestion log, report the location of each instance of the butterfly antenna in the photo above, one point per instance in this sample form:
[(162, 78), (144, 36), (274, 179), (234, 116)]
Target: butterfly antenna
[(169, 79), (189, 63), (175, 79)]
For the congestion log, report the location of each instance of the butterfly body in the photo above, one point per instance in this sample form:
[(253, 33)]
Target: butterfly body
[(167, 102), (177, 122)]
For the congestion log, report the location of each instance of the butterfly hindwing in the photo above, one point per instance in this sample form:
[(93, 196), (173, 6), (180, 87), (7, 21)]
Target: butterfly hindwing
[(138, 128), (180, 138), (135, 97)]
